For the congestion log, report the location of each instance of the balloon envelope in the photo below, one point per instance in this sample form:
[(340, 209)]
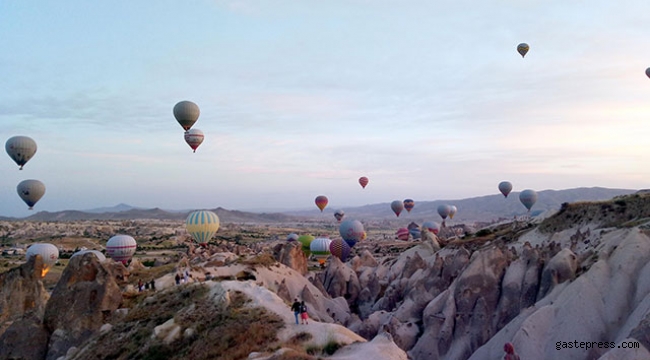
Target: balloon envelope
[(121, 248), (101, 257), (402, 234), (30, 191), (21, 149), (647, 72), (522, 49), (431, 226), (397, 207), (505, 187), (443, 211), (528, 197), (292, 237), (48, 252), (194, 138), (415, 233), (186, 113), (320, 248), (409, 204), (452, 211), (351, 231), (339, 214), (363, 181), (305, 240), (202, 225), (340, 249), (321, 202)]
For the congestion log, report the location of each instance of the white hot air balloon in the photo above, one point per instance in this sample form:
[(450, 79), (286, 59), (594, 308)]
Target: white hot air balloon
[(21, 149), (101, 257), (48, 252), (194, 138), (121, 248), (31, 191), (320, 249)]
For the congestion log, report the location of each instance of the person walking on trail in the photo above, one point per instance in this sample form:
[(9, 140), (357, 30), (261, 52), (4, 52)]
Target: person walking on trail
[(303, 313), (510, 352), (296, 309)]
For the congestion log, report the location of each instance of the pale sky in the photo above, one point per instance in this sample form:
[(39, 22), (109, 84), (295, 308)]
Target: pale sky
[(428, 99)]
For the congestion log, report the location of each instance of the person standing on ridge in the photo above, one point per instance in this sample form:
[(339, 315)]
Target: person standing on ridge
[(510, 352), (296, 309), (303, 313)]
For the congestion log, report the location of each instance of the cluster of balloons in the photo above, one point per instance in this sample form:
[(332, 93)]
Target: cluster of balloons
[(187, 113), (527, 197), (21, 149), (446, 211)]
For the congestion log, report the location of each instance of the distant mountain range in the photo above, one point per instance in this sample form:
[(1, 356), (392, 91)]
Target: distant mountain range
[(483, 208)]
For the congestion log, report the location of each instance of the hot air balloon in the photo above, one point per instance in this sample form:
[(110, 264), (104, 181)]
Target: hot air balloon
[(48, 252), (522, 49), (528, 197), (397, 207), (363, 181), (31, 191), (505, 187), (21, 149), (339, 214), (320, 249), (452, 211), (647, 72), (202, 225), (431, 226), (186, 113), (409, 204), (402, 234), (292, 237), (415, 233), (351, 231), (340, 249), (321, 202), (121, 248), (101, 257), (443, 211), (305, 240), (194, 138)]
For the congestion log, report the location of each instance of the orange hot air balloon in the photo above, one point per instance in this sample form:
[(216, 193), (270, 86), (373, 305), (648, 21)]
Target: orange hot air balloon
[(363, 181), (321, 202)]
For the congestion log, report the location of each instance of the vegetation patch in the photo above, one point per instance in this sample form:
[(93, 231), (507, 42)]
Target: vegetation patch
[(220, 331)]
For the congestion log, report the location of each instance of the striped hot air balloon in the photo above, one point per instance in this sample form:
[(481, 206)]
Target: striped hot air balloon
[(121, 248), (320, 249), (321, 202), (202, 225), (48, 252), (363, 181), (340, 249), (402, 234), (409, 204)]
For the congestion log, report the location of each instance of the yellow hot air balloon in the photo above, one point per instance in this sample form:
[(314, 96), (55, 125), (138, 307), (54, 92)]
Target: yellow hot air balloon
[(202, 225)]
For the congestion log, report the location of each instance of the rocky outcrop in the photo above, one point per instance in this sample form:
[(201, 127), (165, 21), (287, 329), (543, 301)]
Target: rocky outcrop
[(340, 280), (26, 339), (291, 255), (81, 303), (22, 292)]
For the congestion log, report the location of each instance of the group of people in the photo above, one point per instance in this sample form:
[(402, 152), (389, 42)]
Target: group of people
[(146, 286), (300, 310), (185, 278)]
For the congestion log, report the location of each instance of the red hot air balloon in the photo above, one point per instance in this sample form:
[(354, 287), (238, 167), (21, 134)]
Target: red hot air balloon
[(402, 234), (321, 202), (409, 204), (363, 181)]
